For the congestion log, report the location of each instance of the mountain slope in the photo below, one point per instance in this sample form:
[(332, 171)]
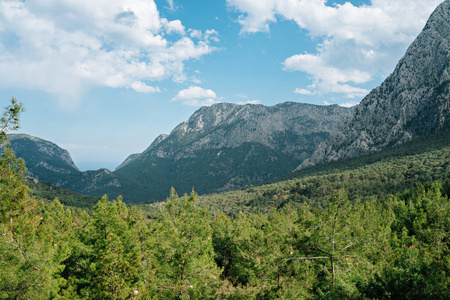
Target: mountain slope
[(414, 100), (227, 146), (44, 160), (48, 162), (390, 171)]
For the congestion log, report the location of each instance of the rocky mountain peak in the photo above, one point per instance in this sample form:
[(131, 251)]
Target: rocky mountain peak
[(413, 100), (227, 145), (26, 145), (205, 118)]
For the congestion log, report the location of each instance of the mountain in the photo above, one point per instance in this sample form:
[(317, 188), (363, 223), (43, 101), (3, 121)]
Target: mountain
[(48, 162), (227, 146), (44, 160), (414, 100), (221, 147)]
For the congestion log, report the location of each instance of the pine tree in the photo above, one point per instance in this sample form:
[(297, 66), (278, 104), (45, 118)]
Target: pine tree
[(184, 253), (114, 270), (28, 266)]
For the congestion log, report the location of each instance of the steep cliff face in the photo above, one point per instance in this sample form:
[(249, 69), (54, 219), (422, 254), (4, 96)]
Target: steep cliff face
[(227, 125), (413, 100), (228, 146)]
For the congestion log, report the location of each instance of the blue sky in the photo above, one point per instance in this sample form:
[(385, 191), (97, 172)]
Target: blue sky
[(103, 78)]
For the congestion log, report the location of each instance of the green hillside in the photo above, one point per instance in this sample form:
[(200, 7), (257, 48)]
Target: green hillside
[(48, 192), (424, 159)]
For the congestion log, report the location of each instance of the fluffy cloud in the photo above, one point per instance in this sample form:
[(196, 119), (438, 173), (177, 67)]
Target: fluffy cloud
[(196, 96), (174, 26), (327, 78), (65, 47), (358, 43), (302, 91), (207, 36)]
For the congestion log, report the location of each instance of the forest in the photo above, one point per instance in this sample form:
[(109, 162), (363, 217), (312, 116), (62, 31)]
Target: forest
[(355, 242)]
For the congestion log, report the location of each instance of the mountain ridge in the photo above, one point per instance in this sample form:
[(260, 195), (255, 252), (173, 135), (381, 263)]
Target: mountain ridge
[(413, 100), (220, 147), (233, 145)]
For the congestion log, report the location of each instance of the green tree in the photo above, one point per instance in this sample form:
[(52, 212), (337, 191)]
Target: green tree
[(339, 241), (418, 265), (10, 119), (114, 269), (28, 266), (185, 264)]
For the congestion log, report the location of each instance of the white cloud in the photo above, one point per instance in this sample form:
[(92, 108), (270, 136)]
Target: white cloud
[(209, 35), (348, 104), (143, 88), (196, 96), (326, 78), (257, 14), (174, 26), (246, 100), (358, 43), (302, 91), (171, 5), (249, 102), (345, 104), (197, 34), (65, 47)]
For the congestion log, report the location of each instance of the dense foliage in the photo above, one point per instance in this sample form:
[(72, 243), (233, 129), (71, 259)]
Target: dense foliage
[(47, 192), (392, 247)]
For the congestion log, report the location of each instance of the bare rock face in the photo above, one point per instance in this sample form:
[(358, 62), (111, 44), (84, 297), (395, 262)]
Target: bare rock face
[(413, 100), (227, 125)]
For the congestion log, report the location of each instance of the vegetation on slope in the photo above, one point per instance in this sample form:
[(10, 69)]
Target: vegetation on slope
[(389, 172), (392, 247), (48, 192)]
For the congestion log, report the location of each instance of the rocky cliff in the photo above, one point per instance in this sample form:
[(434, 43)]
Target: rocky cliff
[(413, 100)]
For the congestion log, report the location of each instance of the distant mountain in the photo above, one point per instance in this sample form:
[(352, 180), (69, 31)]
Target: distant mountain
[(414, 100), (227, 146), (48, 162), (221, 147), (44, 159)]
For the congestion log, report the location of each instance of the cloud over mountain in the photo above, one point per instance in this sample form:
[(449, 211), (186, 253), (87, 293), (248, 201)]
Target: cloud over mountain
[(196, 96), (359, 43)]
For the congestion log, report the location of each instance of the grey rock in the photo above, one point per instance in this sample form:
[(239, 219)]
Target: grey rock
[(414, 100)]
